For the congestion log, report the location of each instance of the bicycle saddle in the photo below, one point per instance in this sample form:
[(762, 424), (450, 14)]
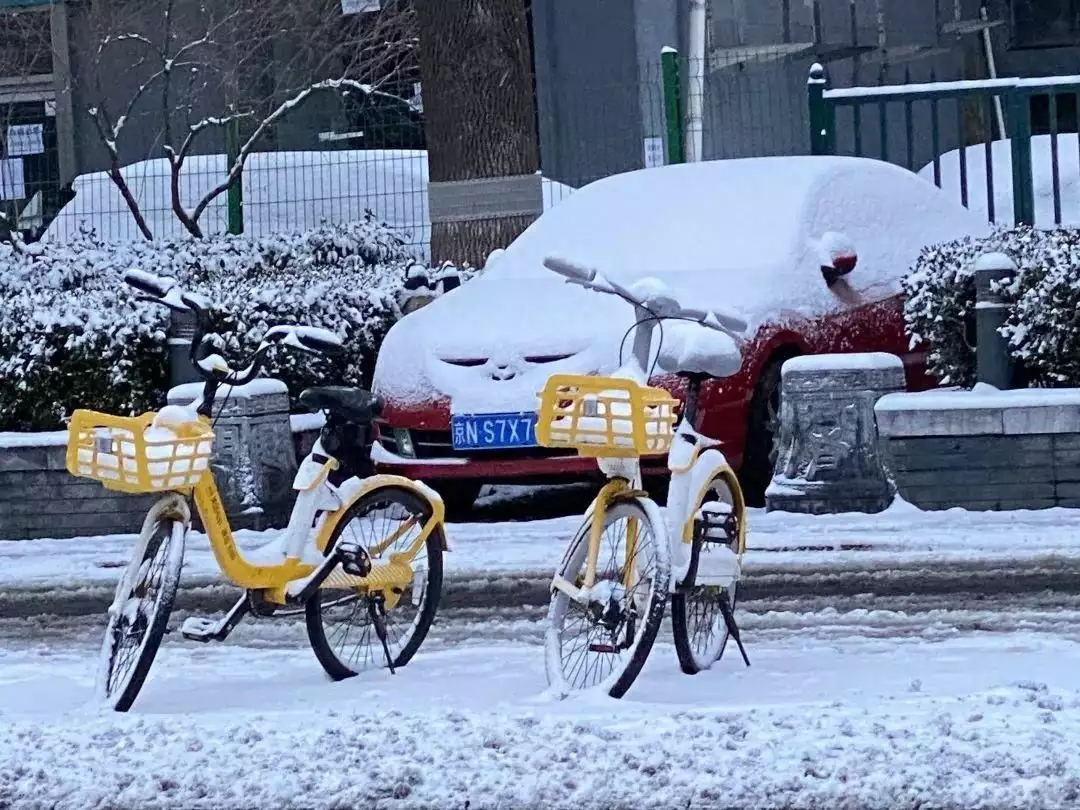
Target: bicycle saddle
[(355, 404)]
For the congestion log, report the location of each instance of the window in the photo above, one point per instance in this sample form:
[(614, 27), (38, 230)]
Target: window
[(1046, 22)]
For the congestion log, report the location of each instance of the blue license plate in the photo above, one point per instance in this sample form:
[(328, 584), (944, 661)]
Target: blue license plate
[(493, 431)]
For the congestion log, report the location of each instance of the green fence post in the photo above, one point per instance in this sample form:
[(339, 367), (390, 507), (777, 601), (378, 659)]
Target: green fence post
[(822, 113), (1019, 121), (236, 189), (673, 112)]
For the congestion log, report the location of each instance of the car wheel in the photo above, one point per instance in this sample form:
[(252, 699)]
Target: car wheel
[(459, 497), (762, 435)]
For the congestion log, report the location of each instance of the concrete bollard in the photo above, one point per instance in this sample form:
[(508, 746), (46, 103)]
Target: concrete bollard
[(993, 361), (181, 332), (828, 458), (254, 457)]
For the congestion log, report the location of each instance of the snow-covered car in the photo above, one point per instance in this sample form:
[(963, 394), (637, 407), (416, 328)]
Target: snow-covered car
[(763, 237)]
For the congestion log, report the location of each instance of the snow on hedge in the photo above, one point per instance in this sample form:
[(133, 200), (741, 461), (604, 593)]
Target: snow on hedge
[(1042, 328), (283, 191), (73, 335)]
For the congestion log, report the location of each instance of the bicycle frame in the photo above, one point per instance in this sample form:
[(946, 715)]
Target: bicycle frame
[(694, 461), (317, 500)]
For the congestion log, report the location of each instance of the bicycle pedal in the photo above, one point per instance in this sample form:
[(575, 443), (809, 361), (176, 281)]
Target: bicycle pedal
[(603, 648), (198, 629)]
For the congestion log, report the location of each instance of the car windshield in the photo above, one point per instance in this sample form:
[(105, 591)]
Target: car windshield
[(718, 217)]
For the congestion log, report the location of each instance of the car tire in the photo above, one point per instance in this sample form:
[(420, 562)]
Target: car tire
[(459, 497), (762, 435)]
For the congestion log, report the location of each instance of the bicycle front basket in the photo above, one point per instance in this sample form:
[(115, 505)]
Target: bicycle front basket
[(605, 416), (129, 454)]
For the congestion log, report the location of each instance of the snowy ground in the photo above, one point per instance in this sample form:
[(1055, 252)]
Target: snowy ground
[(946, 673), (839, 710)]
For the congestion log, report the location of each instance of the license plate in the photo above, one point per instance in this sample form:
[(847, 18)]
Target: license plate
[(493, 431)]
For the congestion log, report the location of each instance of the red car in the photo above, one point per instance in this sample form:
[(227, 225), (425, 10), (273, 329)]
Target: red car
[(809, 250)]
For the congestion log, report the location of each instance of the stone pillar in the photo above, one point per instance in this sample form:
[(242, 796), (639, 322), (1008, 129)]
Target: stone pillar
[(993, 360), (254, 458), (181, 332), (828, 459)]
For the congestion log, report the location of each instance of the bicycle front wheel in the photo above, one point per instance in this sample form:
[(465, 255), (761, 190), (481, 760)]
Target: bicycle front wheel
[(697, 613), (602, 639), (352, 630), (134, 632)]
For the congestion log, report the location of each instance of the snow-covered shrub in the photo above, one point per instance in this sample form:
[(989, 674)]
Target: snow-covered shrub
[(73, 335), (1044, 323), (1043, 327)]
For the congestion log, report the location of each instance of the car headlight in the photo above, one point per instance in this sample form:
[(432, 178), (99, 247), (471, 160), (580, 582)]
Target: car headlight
[(403, 440)]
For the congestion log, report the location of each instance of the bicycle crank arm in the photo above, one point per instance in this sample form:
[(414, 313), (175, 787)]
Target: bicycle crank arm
[(206, 630), (733, 628), (563, 585)]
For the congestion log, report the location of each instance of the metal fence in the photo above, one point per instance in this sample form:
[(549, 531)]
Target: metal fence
[(1005, 147), (339, 159), (345, 157)]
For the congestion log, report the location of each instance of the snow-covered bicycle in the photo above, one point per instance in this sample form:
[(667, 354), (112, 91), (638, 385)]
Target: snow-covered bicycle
[(611, 588), (361, 556)]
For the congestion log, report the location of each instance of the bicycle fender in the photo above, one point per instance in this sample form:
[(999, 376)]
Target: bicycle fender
[(356, 488), (710, 465)]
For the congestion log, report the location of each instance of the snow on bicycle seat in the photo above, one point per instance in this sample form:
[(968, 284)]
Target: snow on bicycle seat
[(355, 404), (690, 348)]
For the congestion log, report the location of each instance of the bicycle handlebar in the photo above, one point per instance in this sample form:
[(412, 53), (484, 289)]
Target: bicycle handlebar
[(206, 346), (717, 319)]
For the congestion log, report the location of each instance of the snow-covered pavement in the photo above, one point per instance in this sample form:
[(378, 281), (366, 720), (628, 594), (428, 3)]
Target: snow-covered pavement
[(840, 709), (925, 660), (777, 542)]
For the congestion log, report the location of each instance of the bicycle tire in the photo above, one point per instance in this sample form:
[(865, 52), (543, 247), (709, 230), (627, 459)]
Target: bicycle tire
[(403, 649), (701, 635), (169, 535), (623, 671)]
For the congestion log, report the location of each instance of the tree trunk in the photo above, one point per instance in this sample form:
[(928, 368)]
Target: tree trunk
[(479, 119)]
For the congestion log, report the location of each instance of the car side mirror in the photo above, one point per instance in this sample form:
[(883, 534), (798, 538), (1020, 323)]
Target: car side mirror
[(836, 255)]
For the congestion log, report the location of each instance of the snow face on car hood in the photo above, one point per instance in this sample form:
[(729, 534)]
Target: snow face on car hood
[(491, 344), (738, 234)]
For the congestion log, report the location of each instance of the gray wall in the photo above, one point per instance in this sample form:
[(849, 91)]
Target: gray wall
[(587, 85)]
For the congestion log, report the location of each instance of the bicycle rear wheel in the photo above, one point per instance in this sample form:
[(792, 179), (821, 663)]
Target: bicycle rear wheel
[(603, 641), (347, 627), (133, 633), (697, 619)]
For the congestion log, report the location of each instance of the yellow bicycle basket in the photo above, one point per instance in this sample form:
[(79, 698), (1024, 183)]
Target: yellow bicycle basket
[(129, 454), (605, 416)]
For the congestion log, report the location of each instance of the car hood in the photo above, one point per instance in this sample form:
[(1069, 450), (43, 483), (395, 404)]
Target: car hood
[(491, 344)]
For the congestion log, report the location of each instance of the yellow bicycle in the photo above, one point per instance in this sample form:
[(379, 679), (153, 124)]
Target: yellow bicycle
[(361, 556), (609, 594)]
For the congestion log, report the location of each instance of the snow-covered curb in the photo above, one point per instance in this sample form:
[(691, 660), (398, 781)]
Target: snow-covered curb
[(902, 535)]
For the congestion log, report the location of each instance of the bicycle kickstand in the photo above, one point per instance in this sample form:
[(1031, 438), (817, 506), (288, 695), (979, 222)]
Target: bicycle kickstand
[(378, 618), (733, 628)]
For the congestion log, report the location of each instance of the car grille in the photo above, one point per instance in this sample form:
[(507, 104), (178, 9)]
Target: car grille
[(437, 444)]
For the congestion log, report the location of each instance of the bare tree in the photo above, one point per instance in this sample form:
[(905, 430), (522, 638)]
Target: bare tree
[(478, 110), (199, 68)]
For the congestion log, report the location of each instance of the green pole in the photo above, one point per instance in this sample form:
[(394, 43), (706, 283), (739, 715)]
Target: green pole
[(1020, 146), (236, 189), (822, 115), (673, 113)]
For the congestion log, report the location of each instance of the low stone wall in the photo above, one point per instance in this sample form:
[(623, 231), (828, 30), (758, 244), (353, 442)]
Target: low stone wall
[(983, 451), (39, 498)]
